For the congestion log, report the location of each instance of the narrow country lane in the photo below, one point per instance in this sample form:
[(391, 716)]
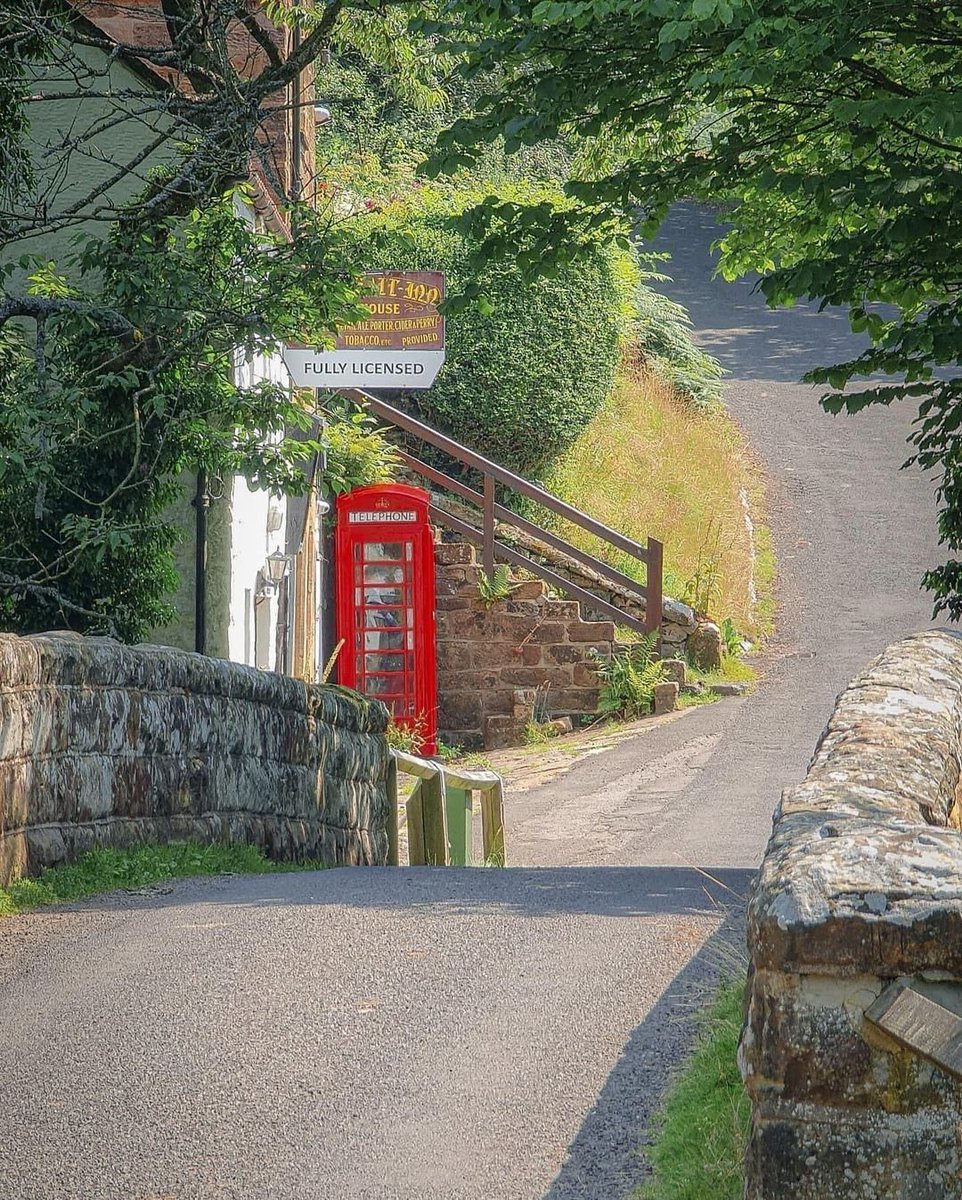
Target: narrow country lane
[(479, 1034)]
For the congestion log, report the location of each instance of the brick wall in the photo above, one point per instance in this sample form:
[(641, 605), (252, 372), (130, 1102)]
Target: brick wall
[(492, 658)]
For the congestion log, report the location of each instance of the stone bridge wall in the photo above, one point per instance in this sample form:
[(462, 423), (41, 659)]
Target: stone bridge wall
[(104, 744), (861, 886)]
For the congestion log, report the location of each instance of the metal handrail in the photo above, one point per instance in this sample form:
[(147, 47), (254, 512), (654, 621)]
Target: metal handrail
[(440, 813), (651, 554), (612, 574)]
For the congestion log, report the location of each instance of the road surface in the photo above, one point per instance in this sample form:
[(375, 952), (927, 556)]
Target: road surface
[(480, 1034)]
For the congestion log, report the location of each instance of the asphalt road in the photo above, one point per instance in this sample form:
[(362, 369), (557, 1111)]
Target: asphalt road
[(449, 1035)]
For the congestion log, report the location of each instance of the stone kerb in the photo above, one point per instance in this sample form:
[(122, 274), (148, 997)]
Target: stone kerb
[(105, 744), (861, 886)]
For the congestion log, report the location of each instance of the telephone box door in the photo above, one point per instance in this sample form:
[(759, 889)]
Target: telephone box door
[(385, 603)]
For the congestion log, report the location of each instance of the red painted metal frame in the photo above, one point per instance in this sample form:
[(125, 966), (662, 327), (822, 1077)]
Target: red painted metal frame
[(384, 571)]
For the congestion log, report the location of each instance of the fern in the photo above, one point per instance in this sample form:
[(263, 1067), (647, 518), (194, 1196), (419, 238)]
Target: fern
[(629, 678), (498, 586)]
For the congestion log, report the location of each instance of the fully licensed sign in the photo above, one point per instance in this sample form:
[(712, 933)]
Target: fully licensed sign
[(400, 344)]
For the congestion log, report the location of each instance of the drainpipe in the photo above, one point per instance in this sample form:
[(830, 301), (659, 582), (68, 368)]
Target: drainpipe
[(201, 504), (296, 121)]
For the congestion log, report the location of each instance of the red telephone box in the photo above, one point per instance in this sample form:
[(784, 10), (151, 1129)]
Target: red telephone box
[(384, 557)]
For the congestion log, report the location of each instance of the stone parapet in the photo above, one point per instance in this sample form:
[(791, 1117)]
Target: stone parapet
[(105, 744), (861, 886)]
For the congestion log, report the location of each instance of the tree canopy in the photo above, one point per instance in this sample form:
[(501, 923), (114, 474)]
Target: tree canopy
[(830, 129)]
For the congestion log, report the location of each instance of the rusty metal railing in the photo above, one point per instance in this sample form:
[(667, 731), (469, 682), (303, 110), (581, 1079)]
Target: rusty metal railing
[(651, 554)]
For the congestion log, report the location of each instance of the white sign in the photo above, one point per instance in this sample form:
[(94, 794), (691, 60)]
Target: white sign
[(380, 518), (407, 369)]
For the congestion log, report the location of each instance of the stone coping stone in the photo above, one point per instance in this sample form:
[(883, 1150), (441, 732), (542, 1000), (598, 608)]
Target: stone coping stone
[(864, 869)]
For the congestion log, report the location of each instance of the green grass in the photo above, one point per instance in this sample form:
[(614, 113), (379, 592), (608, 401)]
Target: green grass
[(701, 1133), (732, 670), (108, 870), (696, 699)]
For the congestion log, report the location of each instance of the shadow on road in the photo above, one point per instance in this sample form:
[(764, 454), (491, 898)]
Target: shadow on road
[(606, 1158), (731, 319), (532, 891)]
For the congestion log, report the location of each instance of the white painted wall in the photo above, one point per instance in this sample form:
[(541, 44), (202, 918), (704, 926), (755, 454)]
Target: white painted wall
[(253, 607)]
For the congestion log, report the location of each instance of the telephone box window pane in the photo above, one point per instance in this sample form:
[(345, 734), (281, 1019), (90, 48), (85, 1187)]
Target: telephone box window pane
[(383, 595), (386, 551), (384, 685), (410, 639), (382, 573), (383, 639), (379, 618), (384, 662)]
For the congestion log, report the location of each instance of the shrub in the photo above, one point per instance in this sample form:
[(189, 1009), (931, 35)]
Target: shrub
[(530, 363), (357, 453)]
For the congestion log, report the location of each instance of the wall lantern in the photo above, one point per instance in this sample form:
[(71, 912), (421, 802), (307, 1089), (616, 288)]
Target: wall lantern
[(276, 566)]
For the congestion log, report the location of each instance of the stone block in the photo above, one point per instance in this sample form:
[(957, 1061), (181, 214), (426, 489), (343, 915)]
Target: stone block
[(524, 702), (552, 677), (529, 589), (565, 654), (499, 702), (675, 671), (666, 697), (531, 654), (705, 647), (728, 689), (532, 609), (567, 610), (502, 731), (675, 613), (481, 681), (460, 710), (591, 631), (547, 633), (574, 700), (585, 675), (447, 554), (448, 604), (494, 654), (455, 656)]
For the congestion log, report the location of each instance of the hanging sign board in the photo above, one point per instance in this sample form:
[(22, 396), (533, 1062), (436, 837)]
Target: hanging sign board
[(400, 344)]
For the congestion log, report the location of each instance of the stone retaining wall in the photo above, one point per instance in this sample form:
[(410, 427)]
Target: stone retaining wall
[(678, 621), (105, 744), (861, 886), (493, 658)]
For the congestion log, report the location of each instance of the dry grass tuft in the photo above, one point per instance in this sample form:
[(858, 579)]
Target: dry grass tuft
[(649, 463)]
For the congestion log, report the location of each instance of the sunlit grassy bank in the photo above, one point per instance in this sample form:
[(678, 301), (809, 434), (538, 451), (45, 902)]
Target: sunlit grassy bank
[(651, 463)]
